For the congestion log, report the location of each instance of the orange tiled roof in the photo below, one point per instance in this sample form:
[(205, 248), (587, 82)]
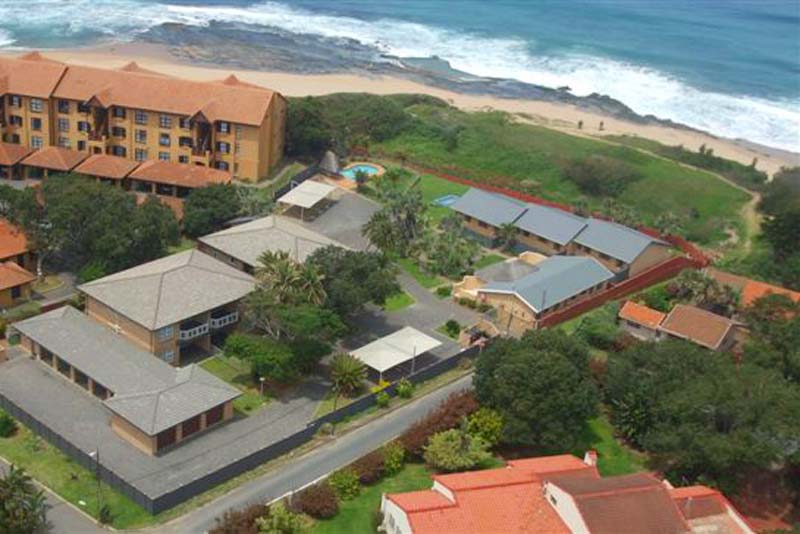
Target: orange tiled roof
[(638, 313), (421, 501), (11, 154), (55, 158), (29, 75), (107, 166), (751, 290), (708, 507), (183, 175), (139, 89), (12, 241), (134, 67), (12, 275), (696, 325)]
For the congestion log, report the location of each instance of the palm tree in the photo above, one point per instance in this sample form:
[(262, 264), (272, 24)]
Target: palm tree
[(347, 373), (280, 274), (23, 507), (507, 236), (310, 285)]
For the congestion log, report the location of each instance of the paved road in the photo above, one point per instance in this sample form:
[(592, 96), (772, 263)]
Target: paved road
[(63, 517), (316, 464)]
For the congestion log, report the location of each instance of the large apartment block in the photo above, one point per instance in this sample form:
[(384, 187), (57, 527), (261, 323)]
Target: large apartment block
[(142, 115)]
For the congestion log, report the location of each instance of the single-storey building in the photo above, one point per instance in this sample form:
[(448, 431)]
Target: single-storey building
[(699, 326), (153, 405), (483, 213), (504, 271), (547, 230), (14, 247), (107, 169), (749, 289), (243, 244), (10, 157), (15, 284), (641, 321), (551, 285), (170, 305), (51, 159)]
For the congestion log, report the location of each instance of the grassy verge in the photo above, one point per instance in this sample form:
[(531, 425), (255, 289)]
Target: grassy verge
[(185, 244), (398, 301), (237, 373), (428, 281), (23, 311), (487, 260), (614, 458), (356, 515), (72, 482), (48, 283)]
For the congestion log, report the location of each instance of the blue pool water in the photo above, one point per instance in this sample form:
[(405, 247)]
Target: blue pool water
[(350, 173), (446, 201)]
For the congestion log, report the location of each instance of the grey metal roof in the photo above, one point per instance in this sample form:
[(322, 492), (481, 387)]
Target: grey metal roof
[(553, 224), (246, 242), (614, 239), (171, 289), (490, 208), (505, 271), (149, 393), (554, 280)]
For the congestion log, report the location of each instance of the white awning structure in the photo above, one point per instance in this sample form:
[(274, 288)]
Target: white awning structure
[(307, 194), (396, 348)]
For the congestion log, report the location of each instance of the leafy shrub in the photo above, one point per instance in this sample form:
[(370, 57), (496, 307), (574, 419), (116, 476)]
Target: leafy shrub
[(345, 483), (239, 521), (8, 426), (104, 515), (456, 450), (92, 271), (3, 326), (318, 501), (601, 176), (452, 327), (658, 298), (444, 291), (382, 399), (483, 307), (326, 429), (370, 468), (274, 361), (466, 363), (446, 416), (394, 455), (380, 386), (405, 389), (486, 424), (469, 303), (281, 520), (307, 352)]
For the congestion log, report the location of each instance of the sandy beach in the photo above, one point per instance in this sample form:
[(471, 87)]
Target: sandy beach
[(562, 117)]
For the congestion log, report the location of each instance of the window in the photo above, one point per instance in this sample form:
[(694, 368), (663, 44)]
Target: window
[(237, 147), (238, 131), (168, 356), (223, 147), (15, 101), (36, 123), (140, 154), (183, 159), (83, 126), (119, 151), (118, 131), (140, 117), (16, 292), (223, 127), (13, 139), (164, 121), (222, 165), (163, 156), (81, 145), (15, 120), (63, 125), (164, 333), (64, 142), (163, 139), (118, 112), (37, 105), (63, 106), (36, 142), (185, 141), (185, 123), (83, 107), (141, 136)]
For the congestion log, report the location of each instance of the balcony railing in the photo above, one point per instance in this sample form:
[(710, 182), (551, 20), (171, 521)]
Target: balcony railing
[(224, 319), (192, 329)]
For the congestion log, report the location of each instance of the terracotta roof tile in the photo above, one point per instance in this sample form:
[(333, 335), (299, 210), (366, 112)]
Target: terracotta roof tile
[(12, 275), (755, 290), (696, 325), (55, 158), (134, 67), (420, 501), (107, 166), (183, 175), (550, 464), (638, 313), (12, 241), (32, 76), (11, 154)]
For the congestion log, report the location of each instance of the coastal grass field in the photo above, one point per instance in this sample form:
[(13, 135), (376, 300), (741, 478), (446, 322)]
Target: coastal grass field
[(494, 148)]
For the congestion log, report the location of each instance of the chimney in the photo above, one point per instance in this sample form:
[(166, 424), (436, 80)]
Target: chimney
[(590, 458)]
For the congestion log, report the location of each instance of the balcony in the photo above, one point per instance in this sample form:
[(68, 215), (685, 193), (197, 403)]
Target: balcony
[(223, 318), (192, 329), (200, 157)]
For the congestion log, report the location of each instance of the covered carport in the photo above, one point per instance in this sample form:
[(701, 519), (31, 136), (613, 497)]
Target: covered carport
[(403, 346), (309, 196)]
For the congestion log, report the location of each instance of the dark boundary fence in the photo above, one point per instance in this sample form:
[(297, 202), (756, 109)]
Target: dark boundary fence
[(296, 180), (155, 505)]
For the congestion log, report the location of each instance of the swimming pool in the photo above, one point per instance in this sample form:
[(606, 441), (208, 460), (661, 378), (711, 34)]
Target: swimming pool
[(350, 172), (446, 201)]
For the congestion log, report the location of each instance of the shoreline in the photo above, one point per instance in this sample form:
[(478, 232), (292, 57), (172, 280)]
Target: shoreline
[(558, 116)]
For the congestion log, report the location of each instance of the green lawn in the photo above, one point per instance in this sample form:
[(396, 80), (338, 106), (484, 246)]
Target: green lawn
[(72, 482), (614, 458), (398, 301), (424, 279), (185, 244), (442, 329), (356, 515), (492, 148), (487, 260), (237, 373)]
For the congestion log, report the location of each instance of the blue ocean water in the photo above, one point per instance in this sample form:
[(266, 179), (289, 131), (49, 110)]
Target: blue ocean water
[(726, 66)]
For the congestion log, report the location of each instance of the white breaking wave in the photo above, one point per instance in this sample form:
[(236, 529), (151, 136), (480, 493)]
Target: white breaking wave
[(645, 90), (5, 38)]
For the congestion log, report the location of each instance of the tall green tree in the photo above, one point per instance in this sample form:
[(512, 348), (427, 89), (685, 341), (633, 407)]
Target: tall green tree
[(206, 209), (347, 373), (23, 507)]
